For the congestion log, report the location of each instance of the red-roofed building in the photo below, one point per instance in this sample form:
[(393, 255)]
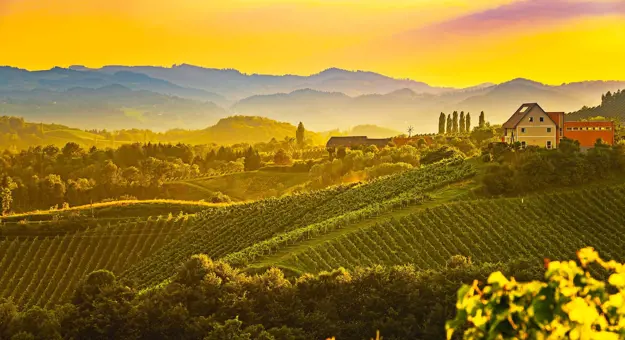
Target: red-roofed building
[(531, 125), (587, 133)]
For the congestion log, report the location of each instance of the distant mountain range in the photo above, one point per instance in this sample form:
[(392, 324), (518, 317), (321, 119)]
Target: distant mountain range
[(186, 96), (109, 107)]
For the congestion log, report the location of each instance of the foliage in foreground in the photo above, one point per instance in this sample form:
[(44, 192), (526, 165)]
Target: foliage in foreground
[(570, 304), (211, 300)]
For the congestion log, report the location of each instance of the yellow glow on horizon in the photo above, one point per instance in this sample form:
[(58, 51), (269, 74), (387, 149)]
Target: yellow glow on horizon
[(304, 37)]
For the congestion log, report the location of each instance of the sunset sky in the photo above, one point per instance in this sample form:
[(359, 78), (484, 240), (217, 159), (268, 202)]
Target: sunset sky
[(441, 42)]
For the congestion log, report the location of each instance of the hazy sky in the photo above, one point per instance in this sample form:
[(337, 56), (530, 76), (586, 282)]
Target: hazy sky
[(441, 42)]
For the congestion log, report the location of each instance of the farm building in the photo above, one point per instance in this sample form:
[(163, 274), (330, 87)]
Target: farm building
[(531, 125), (351, 141)]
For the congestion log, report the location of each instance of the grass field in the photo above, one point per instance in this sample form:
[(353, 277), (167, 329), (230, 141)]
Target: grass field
[(243, 186), (61, 137), (121, 209)]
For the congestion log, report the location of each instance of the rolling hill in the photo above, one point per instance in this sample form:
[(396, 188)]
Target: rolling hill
[(243, 186), (15, 133), (404, 107), (185, 96), (60, 79), (423, 216), (236, 85), (109, 107), (44, 255), (247, 129)]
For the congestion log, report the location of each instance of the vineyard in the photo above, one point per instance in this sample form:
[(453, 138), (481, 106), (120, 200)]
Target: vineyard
[(535, 227), (43, 270), (242, 186), (245, 231)]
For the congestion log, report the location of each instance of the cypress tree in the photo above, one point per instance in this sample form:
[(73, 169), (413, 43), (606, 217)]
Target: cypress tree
[(468, 122), (441, 124), (449, 124), (454, 127), (462, 127), (482, 119), (300, 134)]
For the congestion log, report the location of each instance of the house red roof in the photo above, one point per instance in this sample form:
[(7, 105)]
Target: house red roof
[(516, 118)]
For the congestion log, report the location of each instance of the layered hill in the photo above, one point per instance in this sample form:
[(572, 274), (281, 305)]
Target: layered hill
[(424, 216), (16, 133), (109, 107), (247, 129), (612, 107), (404, 107), (334, 98), (237, 85), (59, 79)]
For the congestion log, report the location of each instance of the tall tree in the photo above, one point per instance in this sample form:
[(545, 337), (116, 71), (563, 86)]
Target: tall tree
[(449, 124), (468, 122), (252, 160), (300, 134), (441, 124), (454, 127), (482, 119), (462, 127)]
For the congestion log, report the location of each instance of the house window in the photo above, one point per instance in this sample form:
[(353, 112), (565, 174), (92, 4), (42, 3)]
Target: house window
[(542, 119), (548, 129), (523, 144), (575, 129), (568, 129), (608, 128), (548, 144), (531, 119), (522, 130)]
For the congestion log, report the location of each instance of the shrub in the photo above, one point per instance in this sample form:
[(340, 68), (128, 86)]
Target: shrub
[(570, 304)]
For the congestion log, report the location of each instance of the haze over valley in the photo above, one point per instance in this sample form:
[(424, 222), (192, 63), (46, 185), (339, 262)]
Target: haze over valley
[(190, 97)]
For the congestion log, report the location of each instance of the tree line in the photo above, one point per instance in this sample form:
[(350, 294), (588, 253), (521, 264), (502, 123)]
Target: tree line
[(457, 124), (513, 170), (42, 177), (208, 299)]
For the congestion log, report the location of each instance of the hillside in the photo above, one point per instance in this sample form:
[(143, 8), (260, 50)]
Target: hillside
[(109, 107), (236, 85), (247, 129), (222, 232), (16, 133), (372, 131), (243, 186), (536, 227), (185, 96), (612, 107), (61, 79), (403, 107), (44, 255)]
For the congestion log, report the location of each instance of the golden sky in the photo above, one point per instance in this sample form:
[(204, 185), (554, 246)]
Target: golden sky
[(441, 42)]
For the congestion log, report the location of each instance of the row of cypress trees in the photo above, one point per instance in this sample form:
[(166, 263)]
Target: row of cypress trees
[(457, 124)]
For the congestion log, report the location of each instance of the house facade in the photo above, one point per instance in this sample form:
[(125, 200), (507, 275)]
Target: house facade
[(531, 125)]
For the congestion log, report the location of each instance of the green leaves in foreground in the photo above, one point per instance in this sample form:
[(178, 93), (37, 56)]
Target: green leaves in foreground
[(570, 304)]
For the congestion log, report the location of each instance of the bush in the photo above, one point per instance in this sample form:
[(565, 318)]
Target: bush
[(459, 261), (439, 154), (570, 304)]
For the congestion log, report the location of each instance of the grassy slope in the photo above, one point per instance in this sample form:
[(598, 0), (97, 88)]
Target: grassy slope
[(538, 226), (44, 270), (441, 196), (221, 233), (244, 186), (118, 209)]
